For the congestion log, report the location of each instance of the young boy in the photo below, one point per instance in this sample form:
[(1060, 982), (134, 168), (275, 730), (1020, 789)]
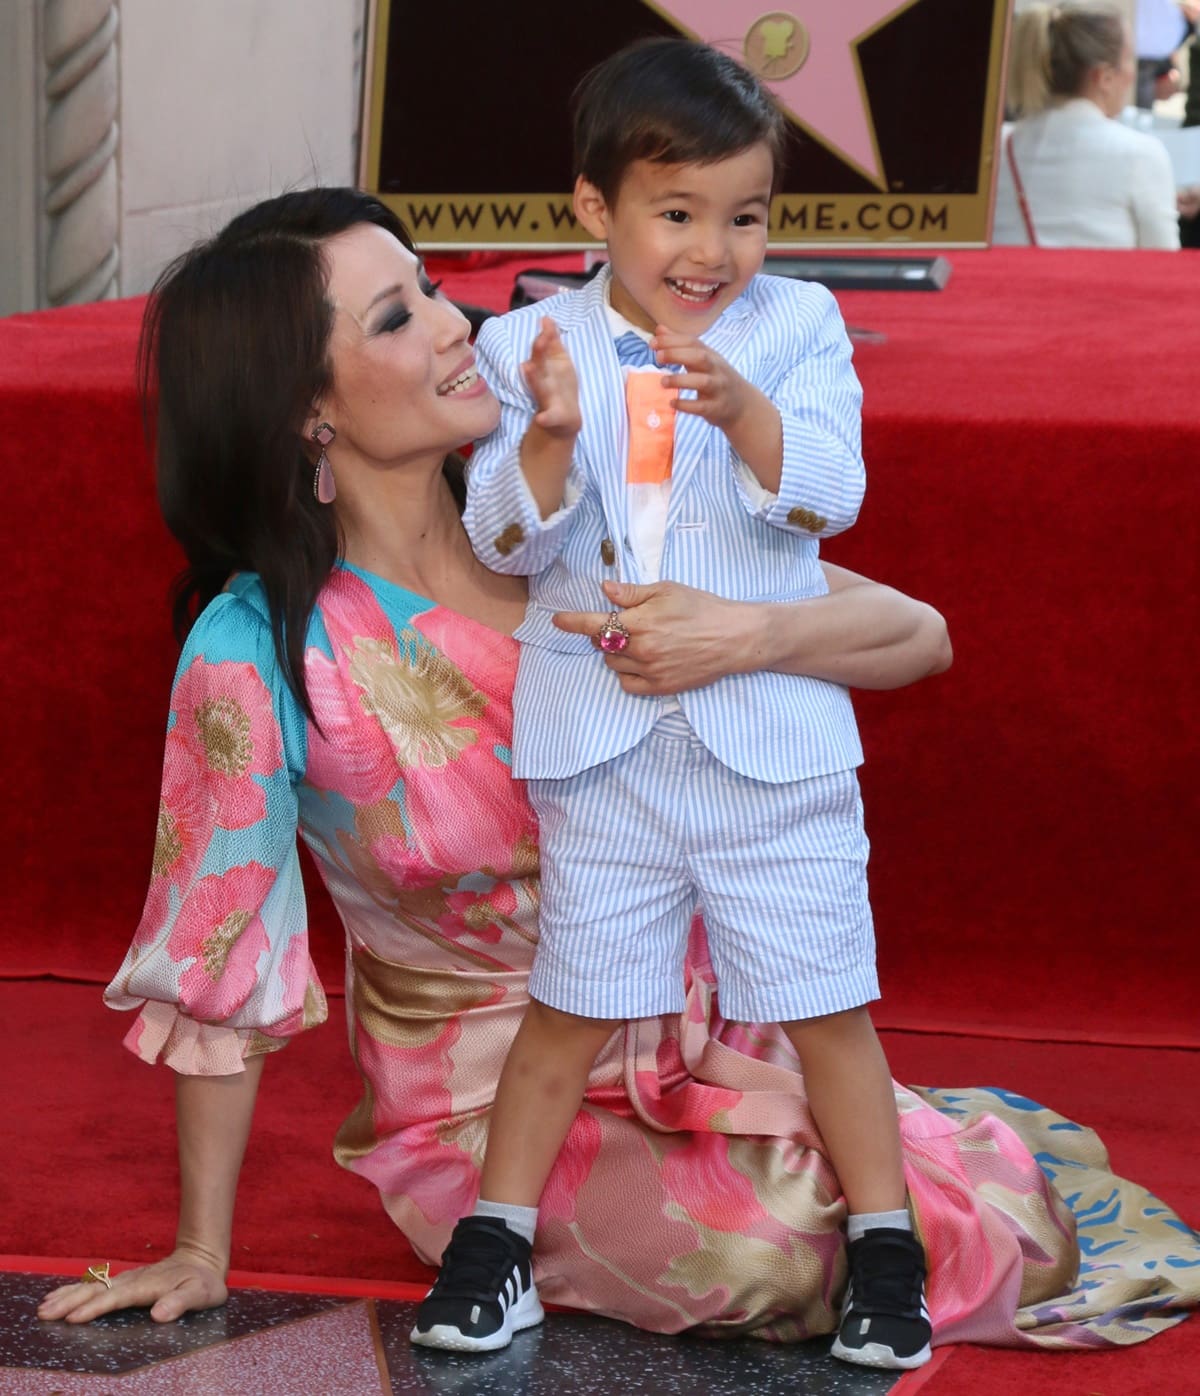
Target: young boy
[(719, 465)]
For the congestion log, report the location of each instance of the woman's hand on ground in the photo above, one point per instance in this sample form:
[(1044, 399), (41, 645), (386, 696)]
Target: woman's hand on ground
[(183, 1281)]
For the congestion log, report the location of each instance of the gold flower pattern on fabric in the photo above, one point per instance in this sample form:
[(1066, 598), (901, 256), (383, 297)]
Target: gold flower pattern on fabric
[(224, 727), (468, 1134), (214, 952), (407, 1007), (316, 1009), (357, 1136), (749, 1266), (1038, 1282), (525, 861), (168, 846), (415, 694), (417, 908), (379, 821)]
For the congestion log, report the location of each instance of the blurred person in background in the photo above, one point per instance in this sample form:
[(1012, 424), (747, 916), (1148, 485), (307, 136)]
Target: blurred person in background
[(1070, 175), (1161, 28)]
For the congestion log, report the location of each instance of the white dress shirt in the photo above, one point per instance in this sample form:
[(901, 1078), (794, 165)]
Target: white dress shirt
[(1090, 182)]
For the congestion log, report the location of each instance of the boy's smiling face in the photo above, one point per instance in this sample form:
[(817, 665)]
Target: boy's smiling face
[(683, 240)]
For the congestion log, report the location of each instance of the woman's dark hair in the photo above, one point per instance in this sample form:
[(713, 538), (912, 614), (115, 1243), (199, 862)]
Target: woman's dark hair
[(234, 352), (673, 101)]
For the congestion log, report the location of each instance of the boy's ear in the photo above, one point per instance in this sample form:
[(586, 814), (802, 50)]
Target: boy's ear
[(591, 209)]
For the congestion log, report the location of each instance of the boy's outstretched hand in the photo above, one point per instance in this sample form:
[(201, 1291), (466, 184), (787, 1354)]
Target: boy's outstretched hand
[(549, 440), (550, 376), (723, 397)]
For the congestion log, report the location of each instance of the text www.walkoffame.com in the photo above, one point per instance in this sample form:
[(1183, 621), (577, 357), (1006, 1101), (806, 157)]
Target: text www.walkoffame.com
[(869, 217)]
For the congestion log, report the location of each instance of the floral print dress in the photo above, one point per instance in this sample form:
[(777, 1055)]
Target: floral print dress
[(692, 1191)]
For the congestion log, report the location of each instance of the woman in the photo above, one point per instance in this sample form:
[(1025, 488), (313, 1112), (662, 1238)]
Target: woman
[(310, 384), (1070, 175)]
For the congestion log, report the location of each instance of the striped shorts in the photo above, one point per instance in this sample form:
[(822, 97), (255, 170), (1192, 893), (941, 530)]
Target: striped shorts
[(631, 847)]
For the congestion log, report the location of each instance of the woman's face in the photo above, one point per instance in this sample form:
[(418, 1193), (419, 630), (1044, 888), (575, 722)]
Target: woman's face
[(404, 379)]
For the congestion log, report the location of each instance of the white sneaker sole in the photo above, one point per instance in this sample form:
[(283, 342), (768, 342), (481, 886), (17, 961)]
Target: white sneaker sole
[(878, 1355), (527, 1312)]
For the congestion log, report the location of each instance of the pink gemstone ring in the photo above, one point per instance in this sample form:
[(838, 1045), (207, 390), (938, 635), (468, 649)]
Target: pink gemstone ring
[(612, 637)]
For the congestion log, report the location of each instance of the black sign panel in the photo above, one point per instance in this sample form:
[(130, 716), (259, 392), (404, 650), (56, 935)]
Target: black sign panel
[(894, 108)]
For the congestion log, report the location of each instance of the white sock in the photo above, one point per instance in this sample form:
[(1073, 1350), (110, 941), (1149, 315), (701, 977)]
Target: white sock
[(859, 1222), (522, 1220)]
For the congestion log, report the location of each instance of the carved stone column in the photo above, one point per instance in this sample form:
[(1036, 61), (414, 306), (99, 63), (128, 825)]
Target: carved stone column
[(81, 197)]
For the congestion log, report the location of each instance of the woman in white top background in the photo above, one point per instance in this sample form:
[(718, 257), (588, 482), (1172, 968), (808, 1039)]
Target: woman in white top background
[(1070, 175)]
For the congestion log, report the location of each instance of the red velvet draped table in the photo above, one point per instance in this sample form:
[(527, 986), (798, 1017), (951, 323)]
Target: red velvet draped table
[(1032, 442)]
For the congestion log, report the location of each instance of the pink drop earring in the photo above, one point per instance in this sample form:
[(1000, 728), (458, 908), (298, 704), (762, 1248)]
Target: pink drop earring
[(324, 488)]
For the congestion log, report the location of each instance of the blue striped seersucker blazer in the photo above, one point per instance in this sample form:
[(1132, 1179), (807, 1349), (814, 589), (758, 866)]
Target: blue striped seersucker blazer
[(571, 713)]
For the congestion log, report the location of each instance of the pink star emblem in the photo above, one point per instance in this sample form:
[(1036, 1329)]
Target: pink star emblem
[(826, 94)]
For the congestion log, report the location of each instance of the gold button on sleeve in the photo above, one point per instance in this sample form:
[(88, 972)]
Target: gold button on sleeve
[(512, 537)]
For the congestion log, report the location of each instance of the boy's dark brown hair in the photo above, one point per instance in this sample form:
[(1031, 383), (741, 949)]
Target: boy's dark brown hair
[(673, 101)]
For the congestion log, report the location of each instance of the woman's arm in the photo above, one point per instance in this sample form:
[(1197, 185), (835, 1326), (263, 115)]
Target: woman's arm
[(862, 634), (213, 1116), (1153, 198)]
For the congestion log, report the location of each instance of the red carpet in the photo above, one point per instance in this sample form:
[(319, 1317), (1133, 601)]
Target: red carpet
[(1166, 1367)]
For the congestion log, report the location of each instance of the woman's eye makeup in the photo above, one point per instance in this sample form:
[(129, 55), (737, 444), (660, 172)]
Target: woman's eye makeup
[(400, 315), (394, 320)]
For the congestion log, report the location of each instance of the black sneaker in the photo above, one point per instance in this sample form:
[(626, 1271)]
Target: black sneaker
[(484, 1291), (884, 1319)]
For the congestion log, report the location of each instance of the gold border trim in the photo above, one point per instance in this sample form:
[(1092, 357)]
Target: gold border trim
[(374, 91)]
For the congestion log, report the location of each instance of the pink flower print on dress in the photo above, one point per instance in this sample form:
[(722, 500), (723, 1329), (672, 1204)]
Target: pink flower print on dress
[(485, 915), (392, 706), (186, 818), (675, 1100), (713, 1192), (487, 657), (186, 815), (225, 716), (424, 1144), (219, 927), (386, 709), (571, 1169), (302, 997)]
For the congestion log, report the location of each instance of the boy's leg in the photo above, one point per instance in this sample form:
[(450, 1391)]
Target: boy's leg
[(850, 1094), (885, 1322), (484, 1292), (540, 1091), (782, 871)]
